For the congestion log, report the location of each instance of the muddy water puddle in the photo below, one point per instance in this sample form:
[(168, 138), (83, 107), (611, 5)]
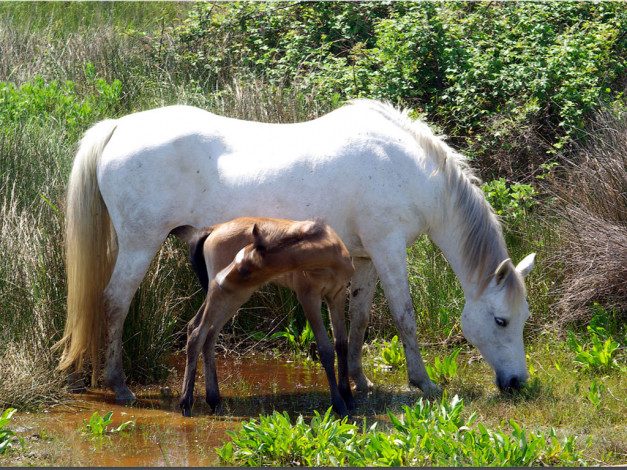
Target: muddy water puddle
[(162, 437)]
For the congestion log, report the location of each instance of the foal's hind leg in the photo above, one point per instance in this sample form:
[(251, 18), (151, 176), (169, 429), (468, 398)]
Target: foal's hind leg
[(362, 289), (312, 303), (130, 268)]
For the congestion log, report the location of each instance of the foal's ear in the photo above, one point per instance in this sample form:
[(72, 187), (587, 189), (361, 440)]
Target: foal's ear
[(504, 270), (259, 243), (525, 266)]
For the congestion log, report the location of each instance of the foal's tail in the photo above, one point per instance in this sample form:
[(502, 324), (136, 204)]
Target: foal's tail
[(197, 256), (90, 252)]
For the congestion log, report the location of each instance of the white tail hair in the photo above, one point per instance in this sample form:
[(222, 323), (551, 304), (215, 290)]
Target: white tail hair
[(90, 253)]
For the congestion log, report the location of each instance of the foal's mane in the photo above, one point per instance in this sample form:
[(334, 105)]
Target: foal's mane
[(278, 237), (482, 241)]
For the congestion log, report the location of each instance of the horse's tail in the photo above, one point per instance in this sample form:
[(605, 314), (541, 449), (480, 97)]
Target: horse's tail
[(90, 252)]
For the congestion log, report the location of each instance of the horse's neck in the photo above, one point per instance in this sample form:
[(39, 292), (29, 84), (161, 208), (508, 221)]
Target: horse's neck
[(450, 235), (448, 238)]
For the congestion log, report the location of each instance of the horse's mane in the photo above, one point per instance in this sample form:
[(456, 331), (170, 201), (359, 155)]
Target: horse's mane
[(483, 240)]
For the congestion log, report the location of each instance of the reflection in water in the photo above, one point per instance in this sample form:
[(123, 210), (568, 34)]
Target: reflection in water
[(249, 387)]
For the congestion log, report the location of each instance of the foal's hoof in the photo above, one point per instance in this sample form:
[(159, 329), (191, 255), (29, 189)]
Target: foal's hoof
[(350, 403), (215, 405)]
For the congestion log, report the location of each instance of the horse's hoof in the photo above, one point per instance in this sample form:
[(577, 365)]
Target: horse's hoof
[(186, 411), (362, 384), (125, 398), (432, 392)]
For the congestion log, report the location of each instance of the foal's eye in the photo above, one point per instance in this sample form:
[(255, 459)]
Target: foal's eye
[(500, 321), (243, 272)]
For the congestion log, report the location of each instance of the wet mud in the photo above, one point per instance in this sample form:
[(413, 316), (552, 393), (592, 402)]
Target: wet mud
[(162, 436)]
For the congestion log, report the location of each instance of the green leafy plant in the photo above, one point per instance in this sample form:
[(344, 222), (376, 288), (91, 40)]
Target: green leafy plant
[(444, 370), (97, 425), (427, 434), (6, 435), (391, 354), (510, 201), (598, 355), (594, 393), (298, 341)]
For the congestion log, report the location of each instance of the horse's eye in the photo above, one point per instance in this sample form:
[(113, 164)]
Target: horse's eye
[(500, 321)]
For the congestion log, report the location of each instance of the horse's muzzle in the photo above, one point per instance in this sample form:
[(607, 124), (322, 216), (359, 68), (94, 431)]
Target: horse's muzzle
[(509, 383)]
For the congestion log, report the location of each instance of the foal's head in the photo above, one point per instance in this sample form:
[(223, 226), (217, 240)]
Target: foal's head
[(273, 252)]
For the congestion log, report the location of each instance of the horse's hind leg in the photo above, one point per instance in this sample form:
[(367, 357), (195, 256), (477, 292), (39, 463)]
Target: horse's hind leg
[(338, 321), (362, 289), (130, 268), (312, 303)]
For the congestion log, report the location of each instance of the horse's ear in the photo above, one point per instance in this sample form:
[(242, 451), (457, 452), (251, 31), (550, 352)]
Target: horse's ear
[(525, 266), (504, 270), (259, 243)]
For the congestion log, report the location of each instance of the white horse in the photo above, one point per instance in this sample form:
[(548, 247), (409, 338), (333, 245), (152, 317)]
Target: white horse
[(377, 178)]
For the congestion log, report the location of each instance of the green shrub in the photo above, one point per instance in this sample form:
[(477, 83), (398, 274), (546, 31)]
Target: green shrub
[(599, 354), (6, 435), (391, 354), (428, 434), (511, 80)]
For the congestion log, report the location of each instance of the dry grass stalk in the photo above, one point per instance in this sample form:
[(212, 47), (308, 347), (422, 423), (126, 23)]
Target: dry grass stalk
[(593, 223)]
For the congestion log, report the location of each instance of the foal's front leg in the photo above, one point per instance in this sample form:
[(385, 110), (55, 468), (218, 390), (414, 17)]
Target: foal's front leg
[(338, 322), (312, 303), (195, 340), (219, 317)]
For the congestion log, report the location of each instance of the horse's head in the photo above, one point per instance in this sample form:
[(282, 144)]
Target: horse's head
[(494, 321)]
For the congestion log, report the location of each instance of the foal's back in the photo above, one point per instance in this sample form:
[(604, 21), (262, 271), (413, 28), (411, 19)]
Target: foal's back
[(293, 246)]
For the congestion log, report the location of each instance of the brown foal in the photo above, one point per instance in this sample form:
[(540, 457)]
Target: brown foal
[(234, 259)]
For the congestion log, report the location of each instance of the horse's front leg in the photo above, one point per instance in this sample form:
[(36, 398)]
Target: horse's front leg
[(389, 258), (362, 289)]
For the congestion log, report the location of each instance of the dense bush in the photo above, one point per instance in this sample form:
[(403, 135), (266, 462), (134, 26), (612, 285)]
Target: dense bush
[(510, 81)]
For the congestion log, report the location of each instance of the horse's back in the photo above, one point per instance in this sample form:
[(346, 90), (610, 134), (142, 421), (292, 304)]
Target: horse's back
[(181, 165)]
